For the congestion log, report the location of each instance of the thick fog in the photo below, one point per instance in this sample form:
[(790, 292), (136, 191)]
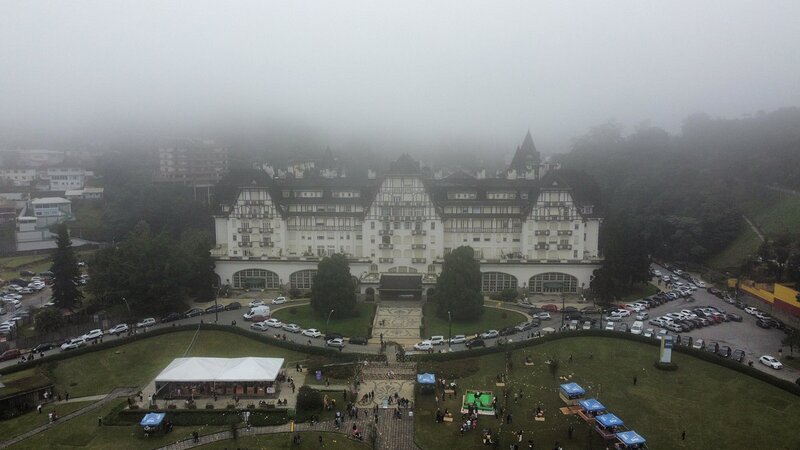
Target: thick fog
[(426, 75)]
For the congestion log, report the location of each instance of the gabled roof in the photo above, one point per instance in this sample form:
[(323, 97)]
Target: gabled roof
[(221, 369), (526, 155)]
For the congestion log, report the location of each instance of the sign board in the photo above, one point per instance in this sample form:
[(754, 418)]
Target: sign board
[(318, 375), (665, 350)]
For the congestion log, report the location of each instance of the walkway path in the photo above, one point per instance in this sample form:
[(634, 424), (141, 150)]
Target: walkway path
[(102, 400), (398, 322), (754, 227)]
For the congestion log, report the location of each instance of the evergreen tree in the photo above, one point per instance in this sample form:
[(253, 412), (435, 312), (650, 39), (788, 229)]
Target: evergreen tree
[(65, 272), (458, 288), (333, 287)]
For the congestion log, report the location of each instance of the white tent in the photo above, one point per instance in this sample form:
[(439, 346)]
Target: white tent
[(220, 370)]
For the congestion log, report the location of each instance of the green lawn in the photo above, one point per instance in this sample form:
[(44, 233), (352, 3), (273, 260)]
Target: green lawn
[(137, 363), (33, 419), (83, 432), (733, 255), (304, 316), (492, 319), (717, 407), (331, 441), (638, 292)]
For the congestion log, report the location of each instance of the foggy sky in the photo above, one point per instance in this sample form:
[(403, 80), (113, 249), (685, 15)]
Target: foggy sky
[(420, 74)]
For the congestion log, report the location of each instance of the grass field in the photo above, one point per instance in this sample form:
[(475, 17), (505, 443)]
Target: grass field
[(718, 408), (33, 419), (492, 319), (10, 266), (137, 363), (309, 440), (745, 244), (84, 433), (304, 316)]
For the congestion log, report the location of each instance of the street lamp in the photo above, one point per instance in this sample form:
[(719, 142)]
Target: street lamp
[(326, 323), (450, 331)]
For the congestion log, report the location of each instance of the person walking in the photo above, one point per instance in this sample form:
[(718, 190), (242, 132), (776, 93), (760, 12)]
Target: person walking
[(635, 380), (683, 435)]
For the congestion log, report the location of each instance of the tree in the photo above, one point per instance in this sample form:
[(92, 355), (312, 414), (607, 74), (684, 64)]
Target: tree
[(48, 319), (309, 399), (333, 287), (458, 289), (66, 273)]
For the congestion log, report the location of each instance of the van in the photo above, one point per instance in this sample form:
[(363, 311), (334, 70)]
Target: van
[(637, 327), (258, 314)]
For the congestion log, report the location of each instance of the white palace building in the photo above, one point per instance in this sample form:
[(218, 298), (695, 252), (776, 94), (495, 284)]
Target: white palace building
[(534, 227)]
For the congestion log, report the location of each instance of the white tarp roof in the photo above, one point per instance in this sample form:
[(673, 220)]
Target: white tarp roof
[(221, 369)]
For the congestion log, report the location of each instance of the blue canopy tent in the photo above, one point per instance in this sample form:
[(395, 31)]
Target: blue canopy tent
[(426, 382), (590, 407), (570, 393), (606, 425), (631, 439), (151, 422)]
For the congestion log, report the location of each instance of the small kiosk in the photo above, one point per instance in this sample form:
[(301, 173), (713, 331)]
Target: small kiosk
[(571, 393), (590, 408), (630, 440), (607, 426), (152, 423), (427, 383)]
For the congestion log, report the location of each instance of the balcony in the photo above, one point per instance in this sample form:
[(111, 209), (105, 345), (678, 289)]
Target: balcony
[(418, 260), (385, 232), (541, 233), (419, 246), (245, 244), (542, 247), (385, 246), (266, 230), (244, 230), (418, 232), (385, 260), (268, 244), (565, 232), (564, 247)]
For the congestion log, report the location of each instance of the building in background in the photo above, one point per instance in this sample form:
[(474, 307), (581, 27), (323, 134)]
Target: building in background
[(51, 210), (199, 164), (534, 228)]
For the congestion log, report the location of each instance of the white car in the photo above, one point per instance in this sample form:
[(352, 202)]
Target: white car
[(491, 334), (312, 332), (621, 313), (642, 316), (26, 291), (292, 328), (423, 346), (610, 326), (149, 322), (613, 318), (587, 325), (436, 340), (279, 300), (458, 339), (542, 316), (255, 303), (259, 326), (698, 344), (73, 344), (336, 342), (700, 284), (93, 334), (116, 330), (770, 361), (751, 310), (275, 323), (648, 333)]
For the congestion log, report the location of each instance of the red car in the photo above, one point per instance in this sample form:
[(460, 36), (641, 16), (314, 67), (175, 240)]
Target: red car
[(550, 308), (10, 354)]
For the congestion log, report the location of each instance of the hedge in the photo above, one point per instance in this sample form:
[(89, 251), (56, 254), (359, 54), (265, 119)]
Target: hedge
[(189, 327), (786, 385), (197, 417)]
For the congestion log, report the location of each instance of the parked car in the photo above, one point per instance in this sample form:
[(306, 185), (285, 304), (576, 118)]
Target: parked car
[(148, 322), (610, 326), (171, 317), (724, 351), (751, 310), (491, 334), (358, 340), (312, 332), (273, 322), (278, 300), (507, 331), (475, 342), (333, 335), (193, 312), (542, 316), (642, 316), (437, 340), (8, 355), (734, 317), (648, 333), (259, 326), (336, 342), (233, 305), (255, 303), (550, 308), (93, 334), (738, 355), (637, 327), (763, 324), (214, 308), (698, 344), (424, 346), (525, 326), (587, 325), (613, 318), (458, 339), (73, 344), (623, 327), (44, 347), (292, 328), (118, 329), (770, 361)]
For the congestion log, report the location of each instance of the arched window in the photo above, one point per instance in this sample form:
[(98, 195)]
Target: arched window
[(553, 283), (255, 279), (373, 268), (497, 281), (302, 279)]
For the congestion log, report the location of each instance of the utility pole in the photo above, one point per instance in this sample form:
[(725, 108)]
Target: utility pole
[(450, 332), (326, 323)]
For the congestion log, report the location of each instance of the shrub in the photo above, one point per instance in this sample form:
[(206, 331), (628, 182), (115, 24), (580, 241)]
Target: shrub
[(191, 406), (172, 406), (308, 399), (508, 295), (295, 293), (669, 367), (209, 406)]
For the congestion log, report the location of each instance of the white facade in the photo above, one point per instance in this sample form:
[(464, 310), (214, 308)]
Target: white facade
[(539, 235)]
